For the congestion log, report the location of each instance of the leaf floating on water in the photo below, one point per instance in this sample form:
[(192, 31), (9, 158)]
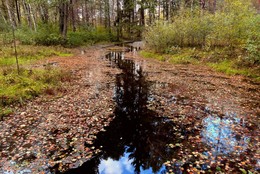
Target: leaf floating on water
[(177, 145), (218, 168), (243, 171)]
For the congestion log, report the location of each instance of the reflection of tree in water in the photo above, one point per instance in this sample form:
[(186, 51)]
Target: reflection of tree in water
[(135, 130)]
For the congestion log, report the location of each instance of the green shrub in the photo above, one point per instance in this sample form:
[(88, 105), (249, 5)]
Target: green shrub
[(160, 36), (231, 26), (48, 35), (253, 52)]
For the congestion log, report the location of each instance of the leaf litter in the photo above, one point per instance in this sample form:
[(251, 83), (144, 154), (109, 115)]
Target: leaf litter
[(216, 119)]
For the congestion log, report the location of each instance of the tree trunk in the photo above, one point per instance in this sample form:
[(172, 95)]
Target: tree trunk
[(10, 14), (44, 13), (87, 11), (202, 4), (72, 14), (107, 14), (17, 7), (214, 5), (159, 9), (27, 13), (32, 16), (2, 15), (118, 20), (63, 12), (142, 18), (100, 13)]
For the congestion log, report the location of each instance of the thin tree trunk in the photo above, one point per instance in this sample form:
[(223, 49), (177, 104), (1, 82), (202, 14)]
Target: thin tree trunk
[(202, 4), (10, 14), (72, 13), (83, 13), (3, 17), (108, 16), (159, 9), (214, 5), (87, 11), (27, 13), (18, 12), (100, 13), (63, 10), (118, 20), (32, 16), (191, 5), (113, 11), (44, 13), (15, 51), (142, 18)]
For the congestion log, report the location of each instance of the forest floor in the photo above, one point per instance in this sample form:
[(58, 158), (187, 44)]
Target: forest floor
[(51, 131)]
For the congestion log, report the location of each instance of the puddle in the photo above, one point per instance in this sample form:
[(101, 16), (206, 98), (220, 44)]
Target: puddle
[(143, 140), (222, 135), (156, 128), (136, 140)]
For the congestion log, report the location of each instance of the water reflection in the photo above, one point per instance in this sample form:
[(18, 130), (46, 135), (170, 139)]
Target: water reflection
[(136, 140), (223, 135), (123, 165)]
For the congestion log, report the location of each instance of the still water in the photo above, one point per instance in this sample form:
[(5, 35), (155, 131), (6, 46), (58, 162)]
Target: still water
[(137, 140)]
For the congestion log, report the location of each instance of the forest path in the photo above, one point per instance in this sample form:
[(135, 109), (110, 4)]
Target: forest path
[(50, 134)]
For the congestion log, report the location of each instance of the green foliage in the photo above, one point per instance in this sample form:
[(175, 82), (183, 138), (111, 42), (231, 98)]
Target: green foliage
[(231, 26), (89, 36), (229, 39), (253, 51), (160, 36), (4, 27), (48, 35)]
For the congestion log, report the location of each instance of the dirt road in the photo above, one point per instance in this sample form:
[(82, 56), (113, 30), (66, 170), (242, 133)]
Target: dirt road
[(214, 117)]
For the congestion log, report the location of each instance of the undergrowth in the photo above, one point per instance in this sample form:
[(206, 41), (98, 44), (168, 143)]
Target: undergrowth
[(33, 79), (48, 35), (28, 84)]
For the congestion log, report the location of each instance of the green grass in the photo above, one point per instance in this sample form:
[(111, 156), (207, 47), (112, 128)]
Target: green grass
[(29, 54), (31, 82), (219, 59), (178, 58), (156, 56), (229, 67), (226, 66)]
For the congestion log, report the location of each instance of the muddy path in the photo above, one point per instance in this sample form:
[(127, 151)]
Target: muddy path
[(125, 114)]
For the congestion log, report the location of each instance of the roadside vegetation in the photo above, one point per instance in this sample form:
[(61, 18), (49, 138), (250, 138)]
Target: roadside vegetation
[(227, 40), (33, 78)]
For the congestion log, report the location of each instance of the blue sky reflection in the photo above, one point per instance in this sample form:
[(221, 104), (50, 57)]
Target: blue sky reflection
[(122, 166), (221, 134)]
